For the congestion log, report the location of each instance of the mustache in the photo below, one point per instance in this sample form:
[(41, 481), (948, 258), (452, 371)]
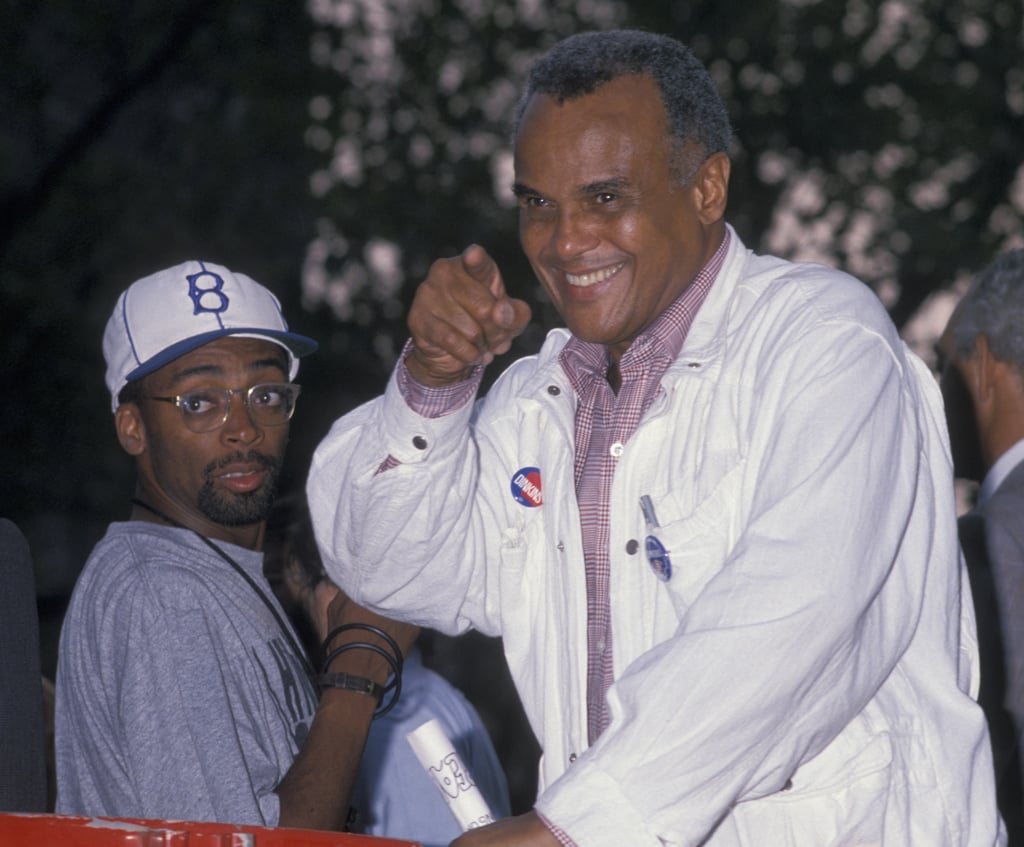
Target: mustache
[(252, 457)]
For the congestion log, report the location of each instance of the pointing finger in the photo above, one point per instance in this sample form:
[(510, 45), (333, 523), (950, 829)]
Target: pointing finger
[(479, 265)]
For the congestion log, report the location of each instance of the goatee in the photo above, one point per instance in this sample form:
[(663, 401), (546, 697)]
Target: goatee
[(239, 509)]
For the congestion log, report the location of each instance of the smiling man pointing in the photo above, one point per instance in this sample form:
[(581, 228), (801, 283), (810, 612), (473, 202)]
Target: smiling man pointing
[(732, 603)]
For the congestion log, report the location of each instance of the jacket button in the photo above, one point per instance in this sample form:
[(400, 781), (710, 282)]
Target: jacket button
[(561, 547), (554, 390), (632, 546), (572, 758), (419, 442)]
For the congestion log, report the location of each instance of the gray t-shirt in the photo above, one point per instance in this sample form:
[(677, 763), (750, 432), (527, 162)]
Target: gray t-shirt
[(178, 695)]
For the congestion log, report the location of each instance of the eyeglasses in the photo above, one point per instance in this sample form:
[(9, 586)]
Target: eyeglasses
[(205, 409)]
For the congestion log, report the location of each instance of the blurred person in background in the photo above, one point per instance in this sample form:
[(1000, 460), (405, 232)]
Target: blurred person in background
[(24, 746), (982, 350)]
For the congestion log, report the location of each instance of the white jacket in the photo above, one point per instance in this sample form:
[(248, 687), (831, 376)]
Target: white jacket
[(806, 675)]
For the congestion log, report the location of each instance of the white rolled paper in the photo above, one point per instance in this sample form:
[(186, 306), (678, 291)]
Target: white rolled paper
[(438, 756)]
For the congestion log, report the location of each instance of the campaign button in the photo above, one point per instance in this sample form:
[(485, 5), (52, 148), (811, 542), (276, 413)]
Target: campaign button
[(526, 487), (657, 558)]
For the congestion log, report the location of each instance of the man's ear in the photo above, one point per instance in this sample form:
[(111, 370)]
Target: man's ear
[(984, 371), (131, 431), (711, 188)]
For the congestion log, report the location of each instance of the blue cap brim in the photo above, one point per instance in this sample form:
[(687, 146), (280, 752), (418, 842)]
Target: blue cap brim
[(297, 345)]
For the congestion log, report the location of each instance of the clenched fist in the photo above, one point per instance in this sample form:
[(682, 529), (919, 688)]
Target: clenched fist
[(461, 317)]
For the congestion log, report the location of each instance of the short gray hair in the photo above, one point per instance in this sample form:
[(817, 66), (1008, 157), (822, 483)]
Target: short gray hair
[(578, 65), (994, 307)]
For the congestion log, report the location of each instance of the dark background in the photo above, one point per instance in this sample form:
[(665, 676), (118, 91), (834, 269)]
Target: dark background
[(333, 149)]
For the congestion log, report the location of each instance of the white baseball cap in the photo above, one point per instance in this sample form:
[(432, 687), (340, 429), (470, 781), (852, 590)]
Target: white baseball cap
[(172, 312)]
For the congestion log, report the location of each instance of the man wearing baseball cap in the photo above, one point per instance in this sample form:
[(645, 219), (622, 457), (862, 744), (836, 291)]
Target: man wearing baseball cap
[(182, 691)]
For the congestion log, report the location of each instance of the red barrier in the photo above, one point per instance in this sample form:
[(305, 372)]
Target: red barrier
[(26, 830)]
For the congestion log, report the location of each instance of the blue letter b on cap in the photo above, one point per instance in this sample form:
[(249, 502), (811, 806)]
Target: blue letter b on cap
[(206, 290)]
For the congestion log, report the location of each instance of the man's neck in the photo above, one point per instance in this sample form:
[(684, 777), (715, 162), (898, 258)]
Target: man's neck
[(249, 536)]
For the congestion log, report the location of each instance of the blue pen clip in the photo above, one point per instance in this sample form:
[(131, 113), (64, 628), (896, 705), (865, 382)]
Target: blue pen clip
[(657, 555)]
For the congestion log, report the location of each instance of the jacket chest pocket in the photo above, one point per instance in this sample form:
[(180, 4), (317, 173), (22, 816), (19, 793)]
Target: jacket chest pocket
[(694, 536)]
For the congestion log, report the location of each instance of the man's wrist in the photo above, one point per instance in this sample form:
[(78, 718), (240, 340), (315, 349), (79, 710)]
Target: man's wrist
[(351, 682), (368, 646), (435, 401), (421, 373)]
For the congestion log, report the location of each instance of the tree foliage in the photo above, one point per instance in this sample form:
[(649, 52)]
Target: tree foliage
[(882, 137), (335, 152)]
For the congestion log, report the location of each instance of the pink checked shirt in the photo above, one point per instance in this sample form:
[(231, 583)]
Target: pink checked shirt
[(605, 421)]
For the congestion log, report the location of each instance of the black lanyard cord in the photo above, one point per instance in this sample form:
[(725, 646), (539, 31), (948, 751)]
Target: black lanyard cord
[(296, 647)]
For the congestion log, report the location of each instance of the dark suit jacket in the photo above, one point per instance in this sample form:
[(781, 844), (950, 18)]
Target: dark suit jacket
[(22, 742), (992, 537)]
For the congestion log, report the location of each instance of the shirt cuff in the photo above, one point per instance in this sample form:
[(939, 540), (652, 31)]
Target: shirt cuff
[(431, 401), (560, 836), (592, 806)]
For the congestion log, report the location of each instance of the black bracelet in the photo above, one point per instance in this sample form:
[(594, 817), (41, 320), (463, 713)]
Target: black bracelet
[(366, 627), (396, 670), (350, 682), (397, 686), (394, 686)]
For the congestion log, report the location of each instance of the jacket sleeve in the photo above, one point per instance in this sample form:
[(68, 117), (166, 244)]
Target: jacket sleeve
[(815, 602), (391, 495)]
